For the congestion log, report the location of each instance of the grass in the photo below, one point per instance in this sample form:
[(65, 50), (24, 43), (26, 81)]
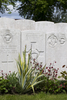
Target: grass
[(40, 96)]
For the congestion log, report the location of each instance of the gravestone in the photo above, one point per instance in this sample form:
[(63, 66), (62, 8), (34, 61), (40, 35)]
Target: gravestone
[(9, 49), (35, 40), (56, 50), (47, 40)]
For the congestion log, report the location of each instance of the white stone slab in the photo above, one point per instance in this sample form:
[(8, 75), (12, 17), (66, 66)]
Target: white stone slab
[(9, 49), (45, 26), (7, 23), (56, 50), (22, 24), (34, 40), (25, 24)]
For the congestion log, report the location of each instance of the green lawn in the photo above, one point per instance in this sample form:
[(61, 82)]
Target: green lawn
[(40, 96)]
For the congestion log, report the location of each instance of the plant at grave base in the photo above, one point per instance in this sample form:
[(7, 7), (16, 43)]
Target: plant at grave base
[(63, 73), (50, 77), (51, 86), (3, 85), (50, 72), (27, 76), (12, 82), (55, 87)]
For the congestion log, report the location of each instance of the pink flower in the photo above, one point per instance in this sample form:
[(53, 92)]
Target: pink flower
[(56, 71), (46, 67), (56, 75), (57, 68), (2, 74), (51, 79), (63, 86), (1, 70), (6, 74), (51, 67), (55, 61), (34, 60), (38, 68), (48, 70), (30, 62), (50, 63), (42, 71), (37, 64), (32, 67), (5, 77), (48, 74), (40, 65), (9, 71), (13, 87)]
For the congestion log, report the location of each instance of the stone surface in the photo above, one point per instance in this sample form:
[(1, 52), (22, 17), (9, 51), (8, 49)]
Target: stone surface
[(25, 24), (17, 24), (47, 40), (9, 49), (34, 40), (56, 50)]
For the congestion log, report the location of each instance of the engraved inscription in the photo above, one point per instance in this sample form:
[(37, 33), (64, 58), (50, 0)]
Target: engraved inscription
[(52, 40), (62, 39), (33, 36), (7, 37), (9, 49), (35, 52), (7, 61)]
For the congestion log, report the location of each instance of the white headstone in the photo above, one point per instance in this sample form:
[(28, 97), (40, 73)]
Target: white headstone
[(9, 49), (56, 50), (34, 40), (47, 40)]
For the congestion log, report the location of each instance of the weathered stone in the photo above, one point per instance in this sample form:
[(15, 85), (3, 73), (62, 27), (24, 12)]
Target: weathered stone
[(9, 49)]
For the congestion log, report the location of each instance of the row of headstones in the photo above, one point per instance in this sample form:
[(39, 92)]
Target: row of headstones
[(47, 40), (47, 27)]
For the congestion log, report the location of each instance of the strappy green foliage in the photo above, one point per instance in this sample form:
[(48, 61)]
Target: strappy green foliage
[(27, 76)]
